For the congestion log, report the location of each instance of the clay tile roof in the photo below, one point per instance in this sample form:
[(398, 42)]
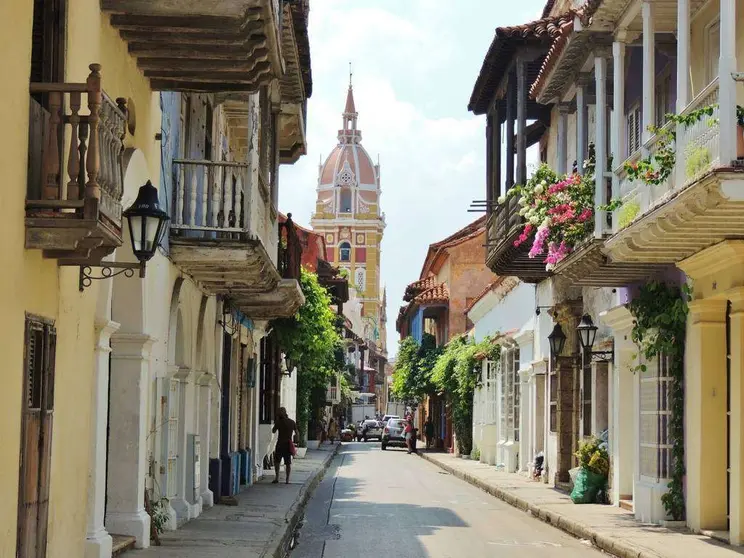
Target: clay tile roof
[(437, 294), (502, 49), (417, 287), (584, 13)]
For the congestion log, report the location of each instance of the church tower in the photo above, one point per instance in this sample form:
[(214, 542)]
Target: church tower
[(347, 214)]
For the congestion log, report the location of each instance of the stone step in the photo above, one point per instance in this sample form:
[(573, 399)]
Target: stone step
[(122, 543), (627, 505)]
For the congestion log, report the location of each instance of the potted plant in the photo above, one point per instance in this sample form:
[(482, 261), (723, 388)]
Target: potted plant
[(739, 132)]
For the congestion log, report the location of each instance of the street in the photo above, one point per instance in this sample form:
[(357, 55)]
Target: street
[(375, 503)]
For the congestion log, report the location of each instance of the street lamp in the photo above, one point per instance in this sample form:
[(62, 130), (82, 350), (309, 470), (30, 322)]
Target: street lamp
[(557, 340), (147, 226), (587, 335)]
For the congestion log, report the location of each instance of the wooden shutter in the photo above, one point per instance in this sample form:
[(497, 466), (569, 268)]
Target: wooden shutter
[(36, 438)]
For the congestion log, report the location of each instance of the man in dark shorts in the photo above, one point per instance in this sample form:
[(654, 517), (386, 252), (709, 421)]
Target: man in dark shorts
[(285, 427)]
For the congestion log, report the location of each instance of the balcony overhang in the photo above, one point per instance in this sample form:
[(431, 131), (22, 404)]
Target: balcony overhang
[(292, 140), (704, 213), (502, 257), (240, 269), (589, 266), (200, 45)]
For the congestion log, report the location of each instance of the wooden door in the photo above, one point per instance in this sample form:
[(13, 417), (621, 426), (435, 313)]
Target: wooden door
[(36, 438)]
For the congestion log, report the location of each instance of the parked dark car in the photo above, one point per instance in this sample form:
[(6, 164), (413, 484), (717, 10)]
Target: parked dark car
[(393, 434)]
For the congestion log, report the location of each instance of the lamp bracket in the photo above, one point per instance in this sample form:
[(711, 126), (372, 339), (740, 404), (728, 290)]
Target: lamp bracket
[(601, 356), (107, 271)]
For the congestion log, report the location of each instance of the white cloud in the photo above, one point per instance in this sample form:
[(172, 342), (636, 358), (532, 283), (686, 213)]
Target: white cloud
[(415, 63)]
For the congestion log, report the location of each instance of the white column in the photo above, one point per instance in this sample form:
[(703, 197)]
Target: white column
[(618, 109), (726, 84), (581, 126), (205, 433), (97, 540), (600, 146), (562, 139), (185, 510), (649, 69), (683, 54), (127, 463)]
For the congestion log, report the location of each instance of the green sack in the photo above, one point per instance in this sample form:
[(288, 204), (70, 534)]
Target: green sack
[(586, 486)]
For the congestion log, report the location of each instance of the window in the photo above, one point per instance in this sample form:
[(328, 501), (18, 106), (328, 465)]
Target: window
[(36, 434), (634, 130), (208, 123), (269, 365), (345, 200), (662, 100), (185, 124), (344, 252), (586, 397), (503, 373), (553, 378), (655, 444), (490, 397), (361, 279)]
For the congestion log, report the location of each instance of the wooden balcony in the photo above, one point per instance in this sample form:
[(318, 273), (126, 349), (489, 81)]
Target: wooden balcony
[(700, 204), (201, 45), (296, 83), (505, 259), (213, 240), (76, 170)]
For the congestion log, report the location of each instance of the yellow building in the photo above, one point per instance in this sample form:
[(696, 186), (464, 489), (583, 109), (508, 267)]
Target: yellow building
[(348, 216), (84, 131)]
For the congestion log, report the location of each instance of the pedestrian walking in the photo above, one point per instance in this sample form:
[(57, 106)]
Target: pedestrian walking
[(409, 435), (332, 431), (285, 428), (429, 432)]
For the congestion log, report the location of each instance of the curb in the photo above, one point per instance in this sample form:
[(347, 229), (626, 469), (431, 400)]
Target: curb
[(292, 518), (604, 542)]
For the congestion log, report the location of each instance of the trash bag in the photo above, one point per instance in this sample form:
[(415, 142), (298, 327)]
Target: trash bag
[(587, 486)]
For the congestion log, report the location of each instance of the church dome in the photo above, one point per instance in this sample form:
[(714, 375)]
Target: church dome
[(349, 164)]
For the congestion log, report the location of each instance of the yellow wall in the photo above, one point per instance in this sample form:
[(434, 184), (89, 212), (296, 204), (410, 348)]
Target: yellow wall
[(30, 283)]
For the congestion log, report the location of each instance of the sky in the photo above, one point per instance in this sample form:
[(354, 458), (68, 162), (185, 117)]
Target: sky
[(414, 66)]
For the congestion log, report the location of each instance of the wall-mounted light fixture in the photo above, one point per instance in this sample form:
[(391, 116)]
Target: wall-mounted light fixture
[(557, 340), (587, 335), (147, 226)]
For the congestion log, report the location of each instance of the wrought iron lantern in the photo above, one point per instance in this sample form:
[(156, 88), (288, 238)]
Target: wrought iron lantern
[(147, 226), (557, 340), (587, 332)]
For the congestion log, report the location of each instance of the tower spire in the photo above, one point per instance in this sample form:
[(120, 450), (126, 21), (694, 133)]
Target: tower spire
[(349, 132)]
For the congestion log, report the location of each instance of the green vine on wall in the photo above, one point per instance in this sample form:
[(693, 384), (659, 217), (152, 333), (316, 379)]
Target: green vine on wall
[(660, 314)]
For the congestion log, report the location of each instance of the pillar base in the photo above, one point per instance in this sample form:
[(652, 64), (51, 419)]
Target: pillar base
[(135, 525), (207, 498), (184, 510), (98, 544)]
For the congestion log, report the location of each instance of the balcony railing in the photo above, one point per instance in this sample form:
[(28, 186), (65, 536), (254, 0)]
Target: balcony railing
[(290, 250), (76, 147), (697, 152), (211, 198)]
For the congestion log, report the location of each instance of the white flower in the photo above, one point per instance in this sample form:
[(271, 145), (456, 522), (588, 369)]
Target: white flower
[(534, 220), (544, 184), (522, 211), (522, 201), (501, 199), (546, 222), (539, 189)]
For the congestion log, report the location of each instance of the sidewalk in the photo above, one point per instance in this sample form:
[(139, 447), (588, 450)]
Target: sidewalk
[(609, 528), (259, 526)]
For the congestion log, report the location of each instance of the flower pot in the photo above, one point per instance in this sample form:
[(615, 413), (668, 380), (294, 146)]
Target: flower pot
[(740, 141), (313, 444), (301, 453)]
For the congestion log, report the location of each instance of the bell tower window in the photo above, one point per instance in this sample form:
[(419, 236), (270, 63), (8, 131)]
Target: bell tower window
[(345, 252), (345, 200)]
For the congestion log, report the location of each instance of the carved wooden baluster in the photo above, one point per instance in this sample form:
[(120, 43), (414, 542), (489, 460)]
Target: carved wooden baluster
[(103, 143), (215, 201), (51, 153), (205, 197), (231, 216), (179, 196), (192, 198), (121, 102), (73, 160), (228, 199), (83, 148), (92, 164)]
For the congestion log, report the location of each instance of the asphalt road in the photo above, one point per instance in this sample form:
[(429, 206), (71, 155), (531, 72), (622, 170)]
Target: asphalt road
[(374, 503)]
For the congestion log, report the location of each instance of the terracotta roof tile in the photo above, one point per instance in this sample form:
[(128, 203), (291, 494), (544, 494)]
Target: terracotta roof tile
[(584, 13), (437, 294), (417, 287), (501, 51)]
